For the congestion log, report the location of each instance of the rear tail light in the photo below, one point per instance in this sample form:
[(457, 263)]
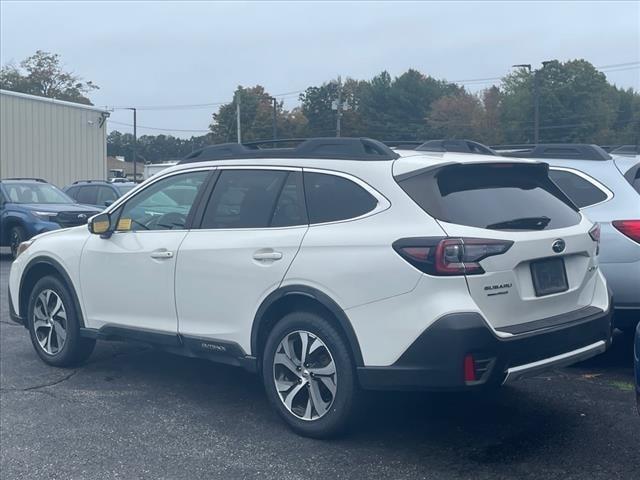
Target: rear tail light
[(449, 256), (631, 228)]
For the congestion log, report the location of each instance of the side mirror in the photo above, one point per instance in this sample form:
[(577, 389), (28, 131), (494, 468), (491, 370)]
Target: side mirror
[(108, 203), (100, 224)]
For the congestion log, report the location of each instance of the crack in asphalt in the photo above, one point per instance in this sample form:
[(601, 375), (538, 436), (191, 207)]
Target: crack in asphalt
[(38, 388), (51, 384)]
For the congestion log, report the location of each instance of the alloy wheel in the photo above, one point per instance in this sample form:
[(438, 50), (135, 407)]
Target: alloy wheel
[(50, 321), (305, 375)]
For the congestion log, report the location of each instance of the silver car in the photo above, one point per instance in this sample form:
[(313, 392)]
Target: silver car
[(607, 189)]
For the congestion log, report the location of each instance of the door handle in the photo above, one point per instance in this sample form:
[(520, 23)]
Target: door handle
[(160, 254), (267, 255)]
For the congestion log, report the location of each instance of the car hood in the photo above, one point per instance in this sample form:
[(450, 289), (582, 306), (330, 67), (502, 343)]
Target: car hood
[(60, 207)]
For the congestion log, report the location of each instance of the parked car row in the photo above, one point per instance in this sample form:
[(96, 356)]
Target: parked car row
[(334, 265), (30, 206)]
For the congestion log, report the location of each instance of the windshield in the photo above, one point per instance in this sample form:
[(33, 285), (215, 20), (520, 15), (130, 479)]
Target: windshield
[(35, 192)]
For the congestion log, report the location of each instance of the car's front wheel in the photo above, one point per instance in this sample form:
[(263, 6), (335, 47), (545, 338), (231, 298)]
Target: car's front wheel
[(54, 324), (309, 376)]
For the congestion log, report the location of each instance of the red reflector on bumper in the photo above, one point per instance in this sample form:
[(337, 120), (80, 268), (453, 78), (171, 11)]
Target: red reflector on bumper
[(469, 368)]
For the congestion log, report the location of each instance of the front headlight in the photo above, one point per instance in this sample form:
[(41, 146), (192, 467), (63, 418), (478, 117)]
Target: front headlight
[(48, 216), (23, 246)]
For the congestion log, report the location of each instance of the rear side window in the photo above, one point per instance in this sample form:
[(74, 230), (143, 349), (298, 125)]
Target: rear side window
[(492, 196), (105, 194), (331, 198), (581, 191), (87, 195), (255, 199)]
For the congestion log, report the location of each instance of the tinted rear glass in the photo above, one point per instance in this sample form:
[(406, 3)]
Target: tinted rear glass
[(331, 198), (581, 192), (493, 196)]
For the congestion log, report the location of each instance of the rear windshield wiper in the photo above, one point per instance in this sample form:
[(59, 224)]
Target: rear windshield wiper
[(524, 223)]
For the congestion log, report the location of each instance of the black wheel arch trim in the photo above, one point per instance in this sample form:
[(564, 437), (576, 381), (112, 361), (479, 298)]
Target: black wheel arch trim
[(323, 299), (57, 266)]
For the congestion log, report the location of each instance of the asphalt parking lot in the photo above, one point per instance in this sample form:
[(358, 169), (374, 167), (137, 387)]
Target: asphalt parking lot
[(132, 412)]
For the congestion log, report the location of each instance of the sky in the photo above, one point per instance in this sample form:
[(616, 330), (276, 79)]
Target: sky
[(163, 53)]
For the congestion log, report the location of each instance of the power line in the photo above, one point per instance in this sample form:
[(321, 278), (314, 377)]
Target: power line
[(158, 128)]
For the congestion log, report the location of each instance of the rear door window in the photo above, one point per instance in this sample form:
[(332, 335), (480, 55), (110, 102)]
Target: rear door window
[(247, 198), (331, 198), (581, 191), (493, 196)]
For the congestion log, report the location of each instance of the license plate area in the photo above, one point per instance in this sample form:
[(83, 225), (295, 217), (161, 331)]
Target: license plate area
[(549, 276)]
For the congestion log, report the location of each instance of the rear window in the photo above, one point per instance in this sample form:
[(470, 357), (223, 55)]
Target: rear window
[(581, 191), (492, 196)]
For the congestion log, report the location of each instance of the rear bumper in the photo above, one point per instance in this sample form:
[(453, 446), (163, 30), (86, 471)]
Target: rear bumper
[(435, 361)]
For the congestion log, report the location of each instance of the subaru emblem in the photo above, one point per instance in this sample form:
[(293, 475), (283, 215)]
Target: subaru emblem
[(558, 246)]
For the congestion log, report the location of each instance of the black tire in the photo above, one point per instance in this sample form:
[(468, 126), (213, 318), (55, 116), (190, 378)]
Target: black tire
[(338, 415), (17, 235), (75, 349)]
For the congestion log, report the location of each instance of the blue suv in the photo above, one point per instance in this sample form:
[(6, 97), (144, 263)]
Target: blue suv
[(29, 206)]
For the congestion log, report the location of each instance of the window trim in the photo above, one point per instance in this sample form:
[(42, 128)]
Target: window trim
[(382, 202), (609, 194)]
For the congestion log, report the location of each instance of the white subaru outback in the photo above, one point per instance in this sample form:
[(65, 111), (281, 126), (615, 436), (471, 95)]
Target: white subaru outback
[(328, 267)]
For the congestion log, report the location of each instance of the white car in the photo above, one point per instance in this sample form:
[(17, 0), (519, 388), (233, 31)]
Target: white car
[(326, 268)]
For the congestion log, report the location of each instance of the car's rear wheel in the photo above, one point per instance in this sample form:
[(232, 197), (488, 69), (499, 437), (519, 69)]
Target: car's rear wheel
[(54, 324), (309, 375), (17, 235)]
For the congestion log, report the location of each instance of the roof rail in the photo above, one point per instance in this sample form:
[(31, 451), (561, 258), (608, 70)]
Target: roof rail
[(626, 150), (455, 145), (563, 151), (342, 148), (27, 178), (89, 181), (403, 144)]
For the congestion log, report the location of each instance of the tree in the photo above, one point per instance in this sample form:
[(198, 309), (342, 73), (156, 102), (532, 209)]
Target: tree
[(457, 116), (577, 104), (41, 74)]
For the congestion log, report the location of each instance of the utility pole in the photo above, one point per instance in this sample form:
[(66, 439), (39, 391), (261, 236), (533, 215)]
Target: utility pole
[(536, 97), (339, 107), (239, 129), (275, 112), (135, 142)]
